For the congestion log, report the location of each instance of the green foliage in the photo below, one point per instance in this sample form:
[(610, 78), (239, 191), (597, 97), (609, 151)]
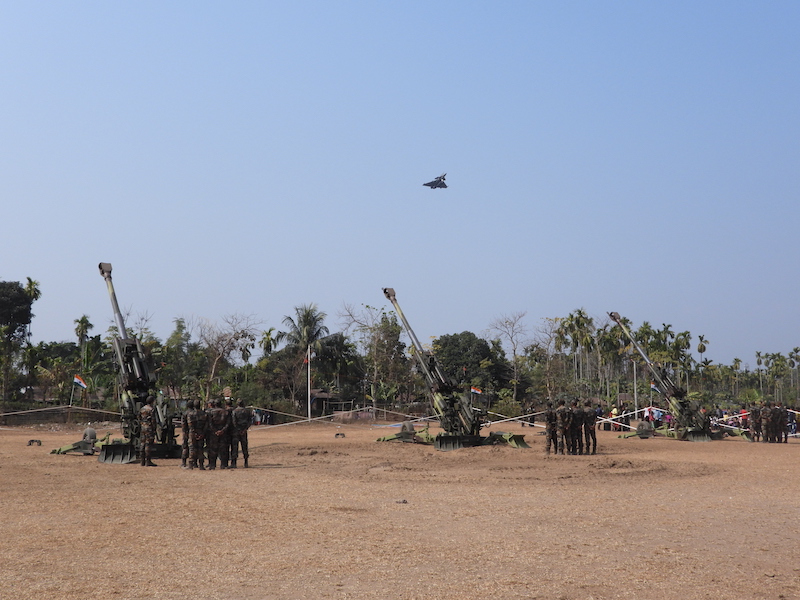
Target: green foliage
[(506, 405), (469, 360)]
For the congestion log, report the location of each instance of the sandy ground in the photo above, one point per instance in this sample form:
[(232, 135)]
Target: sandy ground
[(323, 517)]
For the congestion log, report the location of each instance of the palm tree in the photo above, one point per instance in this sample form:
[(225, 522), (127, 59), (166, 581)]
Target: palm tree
[(267, 342), (737, 363), (306, 330), (701, 346), (759, 362), (82, 328), (794, 355)]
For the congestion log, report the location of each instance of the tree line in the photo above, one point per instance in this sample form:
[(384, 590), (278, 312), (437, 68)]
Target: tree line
[(513, 367)]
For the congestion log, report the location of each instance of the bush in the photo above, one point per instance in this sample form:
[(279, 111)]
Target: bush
[(507, 407)]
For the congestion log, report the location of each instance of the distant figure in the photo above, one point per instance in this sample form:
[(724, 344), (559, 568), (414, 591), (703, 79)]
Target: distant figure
[(198, 431), (563, 418), (147, 423), (589, 418), (550, 429), (219, 425), (185, 434), (241, 419), (89, 435)]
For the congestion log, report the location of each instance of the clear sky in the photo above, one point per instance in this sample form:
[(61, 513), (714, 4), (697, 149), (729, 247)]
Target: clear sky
[(638, 157)]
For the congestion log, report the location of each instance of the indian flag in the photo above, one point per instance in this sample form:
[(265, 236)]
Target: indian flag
[(78, 380), (475, 390)]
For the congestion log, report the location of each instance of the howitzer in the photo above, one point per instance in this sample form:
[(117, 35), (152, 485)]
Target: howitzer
[(690, 423), (135, 382), (460, 420)]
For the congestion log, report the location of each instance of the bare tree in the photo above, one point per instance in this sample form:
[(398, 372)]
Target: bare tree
[(232, 340), (546, 338), (512, 330)]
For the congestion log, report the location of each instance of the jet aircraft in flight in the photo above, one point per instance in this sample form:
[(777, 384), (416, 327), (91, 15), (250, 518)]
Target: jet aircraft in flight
[(437, 183)]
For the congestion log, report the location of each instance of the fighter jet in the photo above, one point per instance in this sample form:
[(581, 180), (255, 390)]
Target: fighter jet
[(437, 183)]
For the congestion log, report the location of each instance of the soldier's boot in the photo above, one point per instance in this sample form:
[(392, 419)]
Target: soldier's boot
[(192, 465), (233, 463), (202, 467), (183, 462), (223, 464), (245, 462), (212, 464), (144, 458)]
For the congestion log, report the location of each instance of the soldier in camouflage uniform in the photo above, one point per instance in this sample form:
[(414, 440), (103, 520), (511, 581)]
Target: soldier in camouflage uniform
[(589, 418), (241, 419), (563, 418), (147, 424), (783, 424), (777, 417), (219, 426), (754, 420), (550, 429), (186, 441), (198, 432), (576, 429), (227, 437), (766, 423)]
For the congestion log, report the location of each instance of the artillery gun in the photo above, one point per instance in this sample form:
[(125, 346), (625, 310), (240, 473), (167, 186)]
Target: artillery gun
[(135, 382), (460, 420), (690, 423)]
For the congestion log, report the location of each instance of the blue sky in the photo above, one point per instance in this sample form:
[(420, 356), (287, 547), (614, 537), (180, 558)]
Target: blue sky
[(638, 157)]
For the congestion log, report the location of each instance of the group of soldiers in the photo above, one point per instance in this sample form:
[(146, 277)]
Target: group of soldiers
[(769, 424), (568, 427), (217, 432)]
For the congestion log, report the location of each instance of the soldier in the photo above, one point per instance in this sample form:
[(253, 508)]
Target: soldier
[(198, 431), (241, 419), (219, 425), (576, 429), (227, 438), (777, 423), (185, 435), (589, 417), (755, 423), (766, 422), (783, 424), (147, 424), (563, 418), (550, 429)]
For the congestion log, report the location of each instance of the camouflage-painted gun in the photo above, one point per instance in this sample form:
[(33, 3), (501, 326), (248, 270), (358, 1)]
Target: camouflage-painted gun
[(690, 423), (458, 417), (135, 382)]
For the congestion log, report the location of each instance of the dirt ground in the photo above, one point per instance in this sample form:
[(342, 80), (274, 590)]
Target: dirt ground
[(318, 516)]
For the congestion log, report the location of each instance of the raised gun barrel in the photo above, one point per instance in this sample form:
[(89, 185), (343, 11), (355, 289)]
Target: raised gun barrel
[(105, 271), (136, 381)]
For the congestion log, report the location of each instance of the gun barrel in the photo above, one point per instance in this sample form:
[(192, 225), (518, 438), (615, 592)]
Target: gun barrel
[(105, 271)]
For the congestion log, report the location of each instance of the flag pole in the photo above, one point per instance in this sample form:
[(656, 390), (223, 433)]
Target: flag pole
[(308, 358)]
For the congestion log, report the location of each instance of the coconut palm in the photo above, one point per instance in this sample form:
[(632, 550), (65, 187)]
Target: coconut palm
[(82, 328), (759, 362), (305, 330)]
